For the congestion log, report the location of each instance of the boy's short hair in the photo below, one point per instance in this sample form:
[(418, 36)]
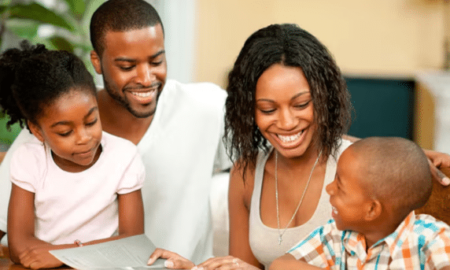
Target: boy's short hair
[(120, 16), (397, 172)]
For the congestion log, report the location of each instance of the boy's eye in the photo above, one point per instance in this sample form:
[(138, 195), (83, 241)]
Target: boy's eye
[(157, 63)]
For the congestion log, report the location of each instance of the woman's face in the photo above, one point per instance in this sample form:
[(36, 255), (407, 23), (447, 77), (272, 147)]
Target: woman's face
[(284, 111)]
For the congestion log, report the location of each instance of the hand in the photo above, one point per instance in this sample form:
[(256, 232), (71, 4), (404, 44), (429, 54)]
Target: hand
[(439, 162), (225, 263), (38, 257), (173, 259)]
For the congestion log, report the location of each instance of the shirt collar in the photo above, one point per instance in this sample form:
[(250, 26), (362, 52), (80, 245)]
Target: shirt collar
[(355, 243)]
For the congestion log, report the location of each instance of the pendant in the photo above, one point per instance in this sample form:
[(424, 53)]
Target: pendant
[(279, 239)]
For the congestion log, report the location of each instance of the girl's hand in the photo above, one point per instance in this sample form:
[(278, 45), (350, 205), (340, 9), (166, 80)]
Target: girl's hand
[(38, 257), (225, 263), (439, 166), (173, 259)]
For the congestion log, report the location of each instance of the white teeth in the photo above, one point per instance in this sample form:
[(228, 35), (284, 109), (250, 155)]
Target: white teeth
[(292, 138), (143, 94)]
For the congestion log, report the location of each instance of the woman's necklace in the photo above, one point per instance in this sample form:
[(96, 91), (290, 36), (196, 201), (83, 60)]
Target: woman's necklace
[(280, 234)]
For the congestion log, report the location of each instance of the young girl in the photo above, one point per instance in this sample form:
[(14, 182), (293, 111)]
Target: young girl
[(72, 183)]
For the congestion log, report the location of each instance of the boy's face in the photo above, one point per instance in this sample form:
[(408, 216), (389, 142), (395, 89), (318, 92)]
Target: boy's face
[(134, 68), (347, 196)]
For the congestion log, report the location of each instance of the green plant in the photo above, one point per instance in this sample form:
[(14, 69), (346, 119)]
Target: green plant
[(69, 25)]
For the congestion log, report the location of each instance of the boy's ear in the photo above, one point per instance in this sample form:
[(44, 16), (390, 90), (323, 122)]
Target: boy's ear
[(95, 60), (36, 131), (374, 210)]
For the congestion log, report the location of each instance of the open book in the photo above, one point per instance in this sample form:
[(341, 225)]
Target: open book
[(126, 253)]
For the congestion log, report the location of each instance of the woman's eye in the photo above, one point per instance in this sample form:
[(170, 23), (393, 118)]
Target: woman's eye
[(267, 111), (303, 105)]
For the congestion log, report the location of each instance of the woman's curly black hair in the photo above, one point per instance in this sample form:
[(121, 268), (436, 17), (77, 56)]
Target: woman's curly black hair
[(289, 45), (32, 77)]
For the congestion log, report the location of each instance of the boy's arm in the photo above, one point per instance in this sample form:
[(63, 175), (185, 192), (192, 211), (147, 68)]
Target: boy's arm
[(288, 262)]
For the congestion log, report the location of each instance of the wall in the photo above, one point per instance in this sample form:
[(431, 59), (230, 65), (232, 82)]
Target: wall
[(372, 37)]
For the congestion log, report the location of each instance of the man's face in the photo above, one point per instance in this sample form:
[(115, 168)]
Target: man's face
[(134, 68)]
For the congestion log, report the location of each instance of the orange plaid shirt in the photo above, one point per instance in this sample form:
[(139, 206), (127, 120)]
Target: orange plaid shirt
[(419, 242)]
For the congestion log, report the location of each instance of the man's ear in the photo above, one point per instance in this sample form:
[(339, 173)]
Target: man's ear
[(95, 60), (36, 130), (374, 209)]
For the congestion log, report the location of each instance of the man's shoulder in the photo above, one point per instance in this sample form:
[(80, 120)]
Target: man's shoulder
[(201, 91)]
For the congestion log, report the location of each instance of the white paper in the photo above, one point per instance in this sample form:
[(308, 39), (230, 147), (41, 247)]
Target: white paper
[(126, 253)]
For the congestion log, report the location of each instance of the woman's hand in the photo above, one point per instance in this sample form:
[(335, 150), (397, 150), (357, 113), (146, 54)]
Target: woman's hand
[(225, 263), (173, 259), (439, 166), (39, 257)]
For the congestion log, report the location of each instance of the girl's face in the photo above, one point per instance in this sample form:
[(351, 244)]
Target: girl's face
[(284, 111), (71, 127)]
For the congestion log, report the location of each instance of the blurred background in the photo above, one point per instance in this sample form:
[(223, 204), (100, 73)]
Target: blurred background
[(394, 54)]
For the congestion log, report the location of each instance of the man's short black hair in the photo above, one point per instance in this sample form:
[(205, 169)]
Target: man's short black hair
[(120, 16)]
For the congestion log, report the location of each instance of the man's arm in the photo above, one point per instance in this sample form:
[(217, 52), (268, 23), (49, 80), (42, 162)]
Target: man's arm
[(287, 262)]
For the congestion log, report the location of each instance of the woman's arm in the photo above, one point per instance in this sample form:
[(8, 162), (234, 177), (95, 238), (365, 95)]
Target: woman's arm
[(239, 196)]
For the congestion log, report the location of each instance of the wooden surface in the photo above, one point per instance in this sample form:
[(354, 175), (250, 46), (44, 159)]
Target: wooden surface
[(439, 203)]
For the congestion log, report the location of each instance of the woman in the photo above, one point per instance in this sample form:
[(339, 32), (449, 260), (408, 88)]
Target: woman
[(286, 112)]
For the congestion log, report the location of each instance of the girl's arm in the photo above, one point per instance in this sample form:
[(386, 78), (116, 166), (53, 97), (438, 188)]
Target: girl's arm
[(23, 245), (31, 252), (239, 196)]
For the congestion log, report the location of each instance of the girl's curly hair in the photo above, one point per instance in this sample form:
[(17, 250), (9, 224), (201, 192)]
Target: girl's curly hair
[(32, 77), (289, 45)]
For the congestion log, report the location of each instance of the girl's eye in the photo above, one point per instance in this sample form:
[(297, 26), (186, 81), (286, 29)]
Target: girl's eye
[(157, 63), (92, 123), (65, 134)]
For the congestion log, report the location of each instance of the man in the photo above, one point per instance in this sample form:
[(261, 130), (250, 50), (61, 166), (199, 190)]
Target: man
[(176, 127)]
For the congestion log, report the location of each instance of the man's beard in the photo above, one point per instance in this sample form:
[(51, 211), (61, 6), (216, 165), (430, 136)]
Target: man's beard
[(125, 103)]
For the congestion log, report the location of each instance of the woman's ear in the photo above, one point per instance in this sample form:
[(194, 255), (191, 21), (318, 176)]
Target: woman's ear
[(95, 60), (36, 130), (374, 210)]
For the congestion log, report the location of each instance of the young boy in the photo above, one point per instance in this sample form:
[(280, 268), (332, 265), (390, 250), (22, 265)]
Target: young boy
[(378, 184)]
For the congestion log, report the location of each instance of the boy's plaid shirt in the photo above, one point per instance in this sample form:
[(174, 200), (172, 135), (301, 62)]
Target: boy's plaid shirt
[(419, 242)]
